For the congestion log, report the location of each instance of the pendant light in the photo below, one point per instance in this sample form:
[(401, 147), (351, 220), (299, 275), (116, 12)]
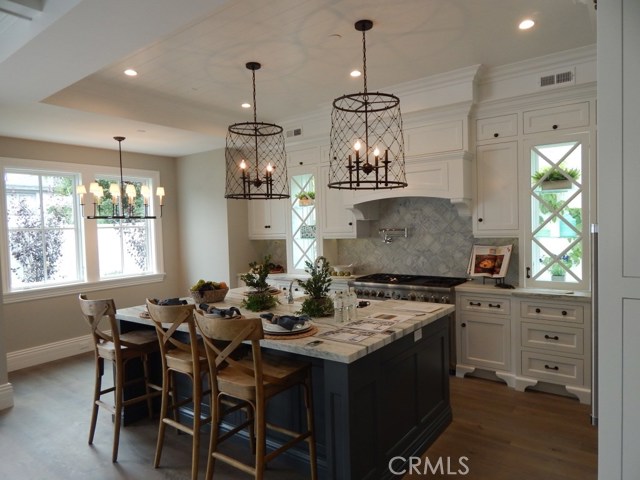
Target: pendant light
[(366, 146), (123, 197), (255, 157)]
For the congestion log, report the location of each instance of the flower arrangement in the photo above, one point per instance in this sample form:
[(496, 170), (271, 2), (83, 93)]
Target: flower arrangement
[(554, 174), (259, 298), (318, 303)]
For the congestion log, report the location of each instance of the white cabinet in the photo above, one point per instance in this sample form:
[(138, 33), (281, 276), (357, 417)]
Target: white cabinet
[(267, 219), (337, 220), (494, 128), (303, 157), (556, 118), (496, 206), (483, 331), (554, 345)]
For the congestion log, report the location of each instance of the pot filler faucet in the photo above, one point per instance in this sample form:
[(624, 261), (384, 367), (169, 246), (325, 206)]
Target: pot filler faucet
[(388, 234)]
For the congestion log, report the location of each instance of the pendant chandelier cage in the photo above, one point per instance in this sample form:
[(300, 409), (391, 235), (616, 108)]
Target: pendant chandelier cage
[(367, 144), (120, 201), (255, 157)]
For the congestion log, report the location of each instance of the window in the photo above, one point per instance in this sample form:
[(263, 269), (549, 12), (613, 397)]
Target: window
[(51, 249)]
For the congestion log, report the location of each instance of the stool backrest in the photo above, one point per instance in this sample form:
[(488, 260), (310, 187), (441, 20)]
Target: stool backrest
[(168, 319), (94, 312), (224, 336)]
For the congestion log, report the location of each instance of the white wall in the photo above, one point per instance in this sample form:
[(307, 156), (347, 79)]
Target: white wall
[(619, 268), (213, 231)]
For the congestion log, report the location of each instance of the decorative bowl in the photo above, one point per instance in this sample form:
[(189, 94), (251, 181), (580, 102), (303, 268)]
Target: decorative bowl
[(209, 296)]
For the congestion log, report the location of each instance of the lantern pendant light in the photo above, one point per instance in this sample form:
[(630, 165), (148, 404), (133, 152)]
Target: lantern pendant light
[(366, 146), (255, 157)]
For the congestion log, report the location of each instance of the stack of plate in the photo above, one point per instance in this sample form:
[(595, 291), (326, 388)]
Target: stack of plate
[(274, 329)]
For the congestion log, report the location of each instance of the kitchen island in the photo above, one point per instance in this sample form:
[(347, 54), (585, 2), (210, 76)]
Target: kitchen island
[(383, 397)]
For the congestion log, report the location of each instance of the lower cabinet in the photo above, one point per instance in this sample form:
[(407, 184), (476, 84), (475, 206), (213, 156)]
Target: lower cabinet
[(484, 335), (526, 340)]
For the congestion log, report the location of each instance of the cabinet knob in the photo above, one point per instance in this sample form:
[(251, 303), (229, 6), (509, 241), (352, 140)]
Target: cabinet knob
[(301, 163), (496, 135), (350, 223), (480, 219), (537, 310), (267, 226), (463, 325), (555, 127), (564, 313)]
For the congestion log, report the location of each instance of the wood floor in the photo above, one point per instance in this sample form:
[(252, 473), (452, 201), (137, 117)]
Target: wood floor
[(503, 433)]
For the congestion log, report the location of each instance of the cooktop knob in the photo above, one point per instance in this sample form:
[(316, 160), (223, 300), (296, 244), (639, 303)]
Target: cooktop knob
[(381, 293), (412, 297)]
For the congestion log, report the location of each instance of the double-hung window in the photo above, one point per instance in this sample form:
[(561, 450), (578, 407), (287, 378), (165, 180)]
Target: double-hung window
[(49, 247)]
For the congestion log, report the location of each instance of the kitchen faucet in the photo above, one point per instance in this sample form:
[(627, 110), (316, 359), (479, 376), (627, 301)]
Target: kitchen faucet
[(290, 296)]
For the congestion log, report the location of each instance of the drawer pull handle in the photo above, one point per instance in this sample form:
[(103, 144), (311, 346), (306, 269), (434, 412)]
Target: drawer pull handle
[(549, 337), (564, 313), (538, 310), (555, 367), (496, 305), (475, 304)]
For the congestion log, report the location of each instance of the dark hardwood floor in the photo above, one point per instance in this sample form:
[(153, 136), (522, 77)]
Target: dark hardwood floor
[(504, 434)]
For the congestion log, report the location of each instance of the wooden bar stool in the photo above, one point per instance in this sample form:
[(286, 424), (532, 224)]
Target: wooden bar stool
[(183, 357), (253, 380), (119, 349)]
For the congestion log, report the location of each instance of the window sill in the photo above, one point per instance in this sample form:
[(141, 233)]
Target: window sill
[(49, 292)]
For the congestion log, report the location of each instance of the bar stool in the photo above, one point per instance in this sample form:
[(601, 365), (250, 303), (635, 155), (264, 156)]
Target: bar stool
[(183, 357), (255, 381), (119, 349)]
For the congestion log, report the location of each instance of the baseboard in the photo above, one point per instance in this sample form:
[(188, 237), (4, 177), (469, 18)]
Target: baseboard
[(48, 353), (6, 396)]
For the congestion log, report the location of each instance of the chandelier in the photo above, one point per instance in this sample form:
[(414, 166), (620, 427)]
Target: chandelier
[(255, 157), (367, 146), (123, 198)]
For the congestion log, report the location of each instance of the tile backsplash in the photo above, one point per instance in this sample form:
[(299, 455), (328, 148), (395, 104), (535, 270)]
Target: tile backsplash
[(439, 242)]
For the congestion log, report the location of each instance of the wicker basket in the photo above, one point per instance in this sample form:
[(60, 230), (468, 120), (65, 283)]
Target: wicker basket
[(209, 296)]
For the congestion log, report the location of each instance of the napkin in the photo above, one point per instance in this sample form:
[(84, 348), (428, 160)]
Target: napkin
[(285, 321), (221, 312)]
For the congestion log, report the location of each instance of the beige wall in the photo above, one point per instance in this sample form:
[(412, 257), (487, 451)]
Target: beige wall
[(213, 231), (36, 323)]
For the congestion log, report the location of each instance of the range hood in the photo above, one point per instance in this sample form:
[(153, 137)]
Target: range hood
[(442, 176)]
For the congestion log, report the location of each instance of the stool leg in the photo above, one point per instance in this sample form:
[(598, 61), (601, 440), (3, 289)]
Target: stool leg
[(311, 440), (119, 395), (163, 414), (96, 396), (197, 406), (145, 367), (261, 427), (216, 405)]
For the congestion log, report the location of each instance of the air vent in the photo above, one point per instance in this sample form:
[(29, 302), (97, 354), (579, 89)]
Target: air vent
[(557, 79), (296, 132)]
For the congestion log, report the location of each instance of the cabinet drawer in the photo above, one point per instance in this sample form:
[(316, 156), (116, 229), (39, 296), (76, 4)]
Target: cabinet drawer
[(493, 305), (497, 127), (555, 338), (556, 118), (552, 368), (551, 312)]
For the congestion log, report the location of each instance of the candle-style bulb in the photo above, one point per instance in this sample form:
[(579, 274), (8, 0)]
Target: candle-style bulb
[(376, 152), (243, 164), (269, 168), (357, 146)]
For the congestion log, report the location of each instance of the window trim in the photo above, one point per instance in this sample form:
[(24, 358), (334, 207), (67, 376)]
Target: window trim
[(87, 233)]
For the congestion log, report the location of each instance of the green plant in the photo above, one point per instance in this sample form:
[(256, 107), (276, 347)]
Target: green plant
[(259, 298), (306, 195), (316, 287), (552, 174)]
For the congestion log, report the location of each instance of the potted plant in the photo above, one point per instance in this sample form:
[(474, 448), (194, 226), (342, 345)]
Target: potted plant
[(318, 303), (557, 272), (555, 178), (259, 297), (305, 198)]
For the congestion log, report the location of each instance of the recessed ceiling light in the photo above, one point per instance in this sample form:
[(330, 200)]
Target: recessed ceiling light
[(130, 72), (356, 73), (526, 24), (246, 105)]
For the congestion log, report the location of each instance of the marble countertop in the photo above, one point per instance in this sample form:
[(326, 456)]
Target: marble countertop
[(334, 350), (476, 286)]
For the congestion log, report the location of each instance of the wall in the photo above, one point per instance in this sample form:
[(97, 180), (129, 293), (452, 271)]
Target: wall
[(213, 231), (31, 327), (439, 241)]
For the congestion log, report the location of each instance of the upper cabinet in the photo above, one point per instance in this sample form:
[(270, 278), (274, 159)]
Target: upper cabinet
[(497, 128), (556, 118), (267, 219), (496, 206)]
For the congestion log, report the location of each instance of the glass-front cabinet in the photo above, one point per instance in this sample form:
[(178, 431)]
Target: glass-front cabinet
[(556, 248), (303, 242)]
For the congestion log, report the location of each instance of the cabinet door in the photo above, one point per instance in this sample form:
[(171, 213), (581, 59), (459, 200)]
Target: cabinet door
[(337, 221), (496, 211), (497, 127), (556, 118), (267, 219), (485, 341)]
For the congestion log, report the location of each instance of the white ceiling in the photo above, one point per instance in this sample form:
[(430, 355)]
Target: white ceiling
[(61, 74)]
